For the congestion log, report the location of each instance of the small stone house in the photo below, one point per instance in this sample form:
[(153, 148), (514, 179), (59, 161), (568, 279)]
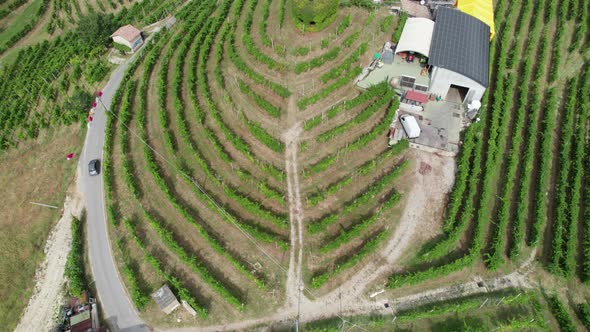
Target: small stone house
[(129, 36)]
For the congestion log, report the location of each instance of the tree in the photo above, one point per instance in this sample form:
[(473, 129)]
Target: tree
[(79, 102), (96, 28), (315, 12)]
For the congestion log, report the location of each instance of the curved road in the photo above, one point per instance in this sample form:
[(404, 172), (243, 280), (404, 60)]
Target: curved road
[(117, 308)]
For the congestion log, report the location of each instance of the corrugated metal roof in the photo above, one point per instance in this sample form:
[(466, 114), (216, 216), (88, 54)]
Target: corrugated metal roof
[(460, 43)]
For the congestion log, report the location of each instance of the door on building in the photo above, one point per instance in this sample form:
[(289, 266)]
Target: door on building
[(457, 93)]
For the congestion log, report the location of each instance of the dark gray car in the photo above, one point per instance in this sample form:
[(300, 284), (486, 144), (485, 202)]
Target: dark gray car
[(94, 167)]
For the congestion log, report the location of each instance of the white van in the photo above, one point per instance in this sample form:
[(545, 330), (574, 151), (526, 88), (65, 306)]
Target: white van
[(410, 125)]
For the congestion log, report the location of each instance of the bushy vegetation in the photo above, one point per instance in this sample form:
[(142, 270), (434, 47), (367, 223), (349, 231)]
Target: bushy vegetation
[(74, 270)]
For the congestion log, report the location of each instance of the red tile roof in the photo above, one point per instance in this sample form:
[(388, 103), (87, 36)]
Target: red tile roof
[(417, 96), (127, 32)]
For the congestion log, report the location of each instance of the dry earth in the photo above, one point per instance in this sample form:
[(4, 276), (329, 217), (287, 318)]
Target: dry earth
[(43, 306)]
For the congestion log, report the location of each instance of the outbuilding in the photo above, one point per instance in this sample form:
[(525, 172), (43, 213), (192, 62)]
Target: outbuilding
[(459, 56), (416, 36), (165, 299), (129, 36)]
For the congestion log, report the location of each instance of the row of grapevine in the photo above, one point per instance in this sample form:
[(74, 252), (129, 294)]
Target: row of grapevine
[(359, 143), (139, 296), (250, 45), (369, 246), (561, 314), (367, 168), (173, 282), (253, 75), (25, 28), (372, 92), (467, 212), (363, 223), (269, 108), (361, 200), (360, 118), (495, 254), (323, 93), (317, 62), (337, 71), (155, 170), (570, 237), (530, 139), (563, 181)]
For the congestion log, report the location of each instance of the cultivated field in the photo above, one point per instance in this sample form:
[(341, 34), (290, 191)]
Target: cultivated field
[(267, 166), (243, 169)]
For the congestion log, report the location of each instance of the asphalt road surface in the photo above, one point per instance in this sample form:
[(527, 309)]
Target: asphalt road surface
[(112, 296)]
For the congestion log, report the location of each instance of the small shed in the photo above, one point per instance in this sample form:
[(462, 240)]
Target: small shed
[(129, 36), (81, 322), (165, 299), (459, 56)]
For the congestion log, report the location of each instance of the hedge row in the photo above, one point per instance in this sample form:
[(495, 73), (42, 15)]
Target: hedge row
[(74, 269)]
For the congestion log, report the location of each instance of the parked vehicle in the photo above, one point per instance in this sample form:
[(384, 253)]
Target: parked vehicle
[(94, 167), (410, 125)]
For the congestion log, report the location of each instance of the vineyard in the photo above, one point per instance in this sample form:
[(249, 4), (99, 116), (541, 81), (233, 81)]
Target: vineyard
[(243, 169), (241, 159), (199, 159)]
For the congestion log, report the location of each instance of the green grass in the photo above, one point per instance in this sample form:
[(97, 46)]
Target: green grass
[(19, 21)]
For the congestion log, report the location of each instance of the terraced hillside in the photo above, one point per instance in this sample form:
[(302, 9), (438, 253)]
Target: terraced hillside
[(238, 169), (269, 180), (244, 169)]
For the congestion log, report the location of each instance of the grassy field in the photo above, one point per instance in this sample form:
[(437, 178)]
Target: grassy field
[(36, 172), (12, 24)]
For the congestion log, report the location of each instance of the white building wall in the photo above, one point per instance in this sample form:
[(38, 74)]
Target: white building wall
[(441, 80), (136, 43), (121, 40)]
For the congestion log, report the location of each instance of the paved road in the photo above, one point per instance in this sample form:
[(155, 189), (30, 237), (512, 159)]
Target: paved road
[(117, 307)]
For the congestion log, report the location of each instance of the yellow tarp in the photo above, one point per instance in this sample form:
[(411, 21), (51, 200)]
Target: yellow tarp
[(483, 10)]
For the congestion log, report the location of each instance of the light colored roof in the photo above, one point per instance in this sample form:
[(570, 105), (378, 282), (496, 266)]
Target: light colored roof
[(127, 32), (410, 125), (416, 36), (483, 10), (165, 298), (460, 43)]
